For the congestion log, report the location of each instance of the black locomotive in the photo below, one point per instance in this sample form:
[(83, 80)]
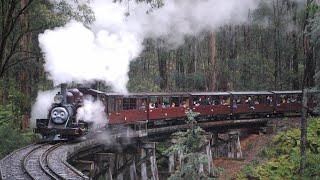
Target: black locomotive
[(62, 122)]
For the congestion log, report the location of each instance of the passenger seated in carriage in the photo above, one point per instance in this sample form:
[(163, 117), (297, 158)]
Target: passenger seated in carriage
[(251, 103), (143, 105), (184, 104), (269, 100), (197, 102), (151, 105), (163, 105), (256, 101), (234, 104)]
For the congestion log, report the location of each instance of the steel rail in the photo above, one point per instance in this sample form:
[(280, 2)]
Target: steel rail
[(28, 159), (59, 167), (43, 163)]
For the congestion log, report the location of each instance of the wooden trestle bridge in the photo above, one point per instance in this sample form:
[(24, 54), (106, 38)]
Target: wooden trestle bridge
[(115, 156)]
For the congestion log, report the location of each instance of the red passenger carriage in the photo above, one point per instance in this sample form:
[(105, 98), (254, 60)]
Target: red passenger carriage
[(211, 104), (166, 107), (252, 103), (287, 102)]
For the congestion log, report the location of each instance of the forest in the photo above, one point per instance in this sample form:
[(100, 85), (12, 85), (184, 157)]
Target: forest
[(275, 48)]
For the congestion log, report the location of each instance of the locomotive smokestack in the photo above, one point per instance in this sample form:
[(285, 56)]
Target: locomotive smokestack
[(64, 92)]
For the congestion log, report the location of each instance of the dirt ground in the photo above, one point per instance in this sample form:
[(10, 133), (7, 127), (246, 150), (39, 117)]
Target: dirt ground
[(251, 147)]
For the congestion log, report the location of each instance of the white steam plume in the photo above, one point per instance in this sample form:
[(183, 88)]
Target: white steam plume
[(92, 112), (104, 50), (42, 105)]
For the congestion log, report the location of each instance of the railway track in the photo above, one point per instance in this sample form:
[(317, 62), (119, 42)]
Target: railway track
[(34, 163), (39, 162)]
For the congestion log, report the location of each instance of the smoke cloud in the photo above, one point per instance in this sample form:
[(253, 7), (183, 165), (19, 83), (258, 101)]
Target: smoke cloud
[(103, 51), (42, 106), (92, 112)]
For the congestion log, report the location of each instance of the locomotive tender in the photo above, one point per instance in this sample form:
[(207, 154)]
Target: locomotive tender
[(158, 109)]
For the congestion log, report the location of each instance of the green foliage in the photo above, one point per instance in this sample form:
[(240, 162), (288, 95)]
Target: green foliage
[(313, 8), (190, 170), (77, 11), (191, 117), (284, 156), (12, 138), (189, 143)]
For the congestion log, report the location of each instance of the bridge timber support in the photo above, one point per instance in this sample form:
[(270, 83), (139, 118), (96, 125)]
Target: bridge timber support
[(137, 161)]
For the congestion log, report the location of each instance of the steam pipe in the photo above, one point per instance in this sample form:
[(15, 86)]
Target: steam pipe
[(64, 92)]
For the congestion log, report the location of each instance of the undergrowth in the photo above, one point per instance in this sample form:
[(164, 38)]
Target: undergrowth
[(283, 156), (12, 137)]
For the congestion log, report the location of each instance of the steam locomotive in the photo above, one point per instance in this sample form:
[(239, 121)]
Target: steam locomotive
[(62, 122), (165, 109)]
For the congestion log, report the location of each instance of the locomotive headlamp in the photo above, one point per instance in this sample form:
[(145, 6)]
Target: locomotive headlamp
[(58, 98), (59, 115)]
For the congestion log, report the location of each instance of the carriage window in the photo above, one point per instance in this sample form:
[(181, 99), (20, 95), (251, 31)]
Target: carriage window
[(237, 100), (118, 104), (251, 100), (295, 98), (110, 104), (195, 101), (282, 99), (185, 102), (198, 100), (143, 103), (175, 101), (269, 99), (299, 98), (165, 102), (258, 99), (129, 103), (207, 100), (224, 100), (153, 102), (215, 100)]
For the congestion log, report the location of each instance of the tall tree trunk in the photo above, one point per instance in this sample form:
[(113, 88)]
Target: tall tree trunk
[(276, 47), (308, 81), (303, 128), (24, 73), (180, 77), (295, 62), (162, 62), (212, 85), (295, 41), (191, 65), (309, 69)]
